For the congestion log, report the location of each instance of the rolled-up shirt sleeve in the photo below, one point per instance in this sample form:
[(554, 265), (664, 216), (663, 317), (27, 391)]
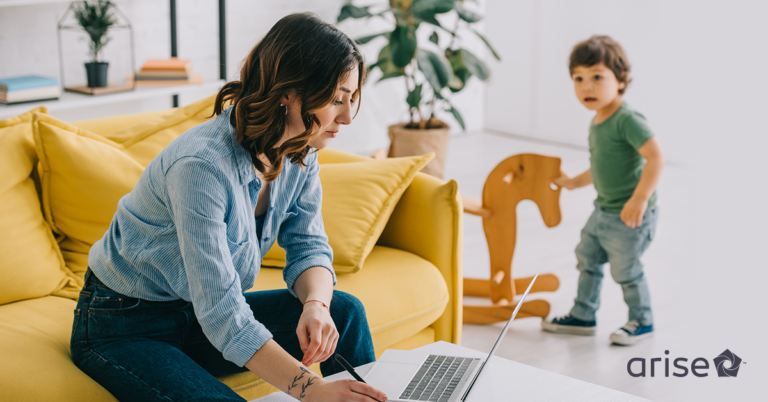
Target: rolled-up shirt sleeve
[(197, 194), (302, 234)]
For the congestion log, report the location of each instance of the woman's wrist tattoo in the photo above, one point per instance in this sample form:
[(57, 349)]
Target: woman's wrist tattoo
[(297, 381)]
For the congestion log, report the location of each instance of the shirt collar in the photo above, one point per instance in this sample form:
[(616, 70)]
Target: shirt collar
[(242, 157)]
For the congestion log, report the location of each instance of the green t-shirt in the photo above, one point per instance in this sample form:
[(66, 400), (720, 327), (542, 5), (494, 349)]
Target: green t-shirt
[(616, 165)]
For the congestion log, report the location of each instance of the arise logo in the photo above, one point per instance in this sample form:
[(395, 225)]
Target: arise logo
[(735, 363), (727, 365)]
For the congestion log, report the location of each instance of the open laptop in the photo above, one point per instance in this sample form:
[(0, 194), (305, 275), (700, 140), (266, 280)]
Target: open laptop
[(409, 376)]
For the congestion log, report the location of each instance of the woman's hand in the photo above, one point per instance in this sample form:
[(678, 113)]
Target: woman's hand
[(317, 333), (343, 390), (633, 211)]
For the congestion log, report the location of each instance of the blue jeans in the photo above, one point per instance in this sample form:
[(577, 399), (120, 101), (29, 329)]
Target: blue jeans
[(606, 238), (156, 351)]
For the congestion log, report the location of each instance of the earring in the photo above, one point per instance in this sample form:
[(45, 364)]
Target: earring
[(286, 108)]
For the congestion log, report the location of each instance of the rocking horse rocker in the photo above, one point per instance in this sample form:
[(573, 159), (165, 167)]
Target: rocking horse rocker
[(517, 178)]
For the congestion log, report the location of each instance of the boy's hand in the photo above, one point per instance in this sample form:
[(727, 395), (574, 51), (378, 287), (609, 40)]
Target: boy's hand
[(633, 212), (564, 181)]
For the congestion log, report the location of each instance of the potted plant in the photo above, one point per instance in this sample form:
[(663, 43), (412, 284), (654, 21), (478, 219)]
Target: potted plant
[(95, 18), (431, 69)]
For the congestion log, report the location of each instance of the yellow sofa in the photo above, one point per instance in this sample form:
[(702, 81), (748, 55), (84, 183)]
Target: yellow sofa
[(410, 284)]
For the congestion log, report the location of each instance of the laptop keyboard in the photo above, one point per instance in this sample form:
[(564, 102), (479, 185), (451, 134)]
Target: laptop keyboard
[(437, 378)]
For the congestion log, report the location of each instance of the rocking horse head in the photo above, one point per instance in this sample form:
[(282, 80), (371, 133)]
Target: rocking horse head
[(525, 177)]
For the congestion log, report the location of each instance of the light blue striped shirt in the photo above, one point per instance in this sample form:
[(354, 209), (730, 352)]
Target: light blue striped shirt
[(188, 231)]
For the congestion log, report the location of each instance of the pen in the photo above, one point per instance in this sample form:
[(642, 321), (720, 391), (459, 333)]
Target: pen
[(348, 367)]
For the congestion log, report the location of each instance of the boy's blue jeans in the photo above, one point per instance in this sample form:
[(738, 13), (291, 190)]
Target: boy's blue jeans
[(156, 351), (606, 238)]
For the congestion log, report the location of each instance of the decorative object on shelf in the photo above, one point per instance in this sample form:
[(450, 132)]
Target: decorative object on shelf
[(96, 19), (171, 71), (429, 74), (29, 88)]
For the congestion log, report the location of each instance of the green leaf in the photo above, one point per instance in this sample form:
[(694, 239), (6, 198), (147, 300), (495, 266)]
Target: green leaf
[(436, 69), (456, 84), (351, 11), (434, 38), (425, 10), (392, 74), (414, 98), (460, 72), (475, 65), (428, 18), (426, 67), (402, 45), (432, 6), (496, 55), (96, 19), (374, 65), (457, 116), (384, 63), (366, 39), (467, 15)]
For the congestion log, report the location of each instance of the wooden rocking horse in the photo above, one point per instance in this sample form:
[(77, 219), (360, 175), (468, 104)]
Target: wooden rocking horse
[(517, 178)]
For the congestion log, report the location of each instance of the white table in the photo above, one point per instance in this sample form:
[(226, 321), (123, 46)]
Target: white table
[(504, 380)]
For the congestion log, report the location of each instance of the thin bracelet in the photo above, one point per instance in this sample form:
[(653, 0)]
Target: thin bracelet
[(324, 305)]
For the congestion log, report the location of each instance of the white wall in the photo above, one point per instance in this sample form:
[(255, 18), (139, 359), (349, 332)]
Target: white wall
[(694, 66), (28, 46)]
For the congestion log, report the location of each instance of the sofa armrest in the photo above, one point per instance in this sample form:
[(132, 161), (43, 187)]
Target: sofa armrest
[(428, 222)]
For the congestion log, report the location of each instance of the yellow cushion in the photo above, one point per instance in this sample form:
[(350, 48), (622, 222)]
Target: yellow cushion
[(84, 175), (329, 155), (358, 199), (34, 344), (37, 364), (31, 264), (402, 293), (106, 125)]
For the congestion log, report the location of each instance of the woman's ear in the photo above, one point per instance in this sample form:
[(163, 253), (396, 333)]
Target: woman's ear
[(291, 98)]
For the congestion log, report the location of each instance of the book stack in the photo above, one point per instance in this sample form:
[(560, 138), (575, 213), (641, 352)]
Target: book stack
[(29, 88), (171, 71)]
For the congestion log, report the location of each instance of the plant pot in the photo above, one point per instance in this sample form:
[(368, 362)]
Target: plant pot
[(410, 142), (96, 73)]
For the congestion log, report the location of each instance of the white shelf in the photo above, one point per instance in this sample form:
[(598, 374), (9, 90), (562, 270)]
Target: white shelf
[(11, 3), (69, 100)]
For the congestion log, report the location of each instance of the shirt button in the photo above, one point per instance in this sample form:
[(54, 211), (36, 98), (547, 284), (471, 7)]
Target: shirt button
[(266, 239)]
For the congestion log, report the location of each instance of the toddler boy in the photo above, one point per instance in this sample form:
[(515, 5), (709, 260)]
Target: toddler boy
[(625, 165)]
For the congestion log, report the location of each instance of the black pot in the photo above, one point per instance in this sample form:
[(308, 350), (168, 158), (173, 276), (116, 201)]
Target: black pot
[(97, 74)]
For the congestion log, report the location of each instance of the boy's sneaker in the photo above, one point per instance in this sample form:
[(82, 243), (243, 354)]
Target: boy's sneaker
[(632, 333), (569, 325)]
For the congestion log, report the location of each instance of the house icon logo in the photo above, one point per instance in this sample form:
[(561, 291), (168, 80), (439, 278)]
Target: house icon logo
[(727, 364)]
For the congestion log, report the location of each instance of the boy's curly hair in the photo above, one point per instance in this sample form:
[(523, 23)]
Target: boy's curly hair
[(601, 48)]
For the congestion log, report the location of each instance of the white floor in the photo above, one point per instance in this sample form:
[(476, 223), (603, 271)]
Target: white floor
[(700, 308)]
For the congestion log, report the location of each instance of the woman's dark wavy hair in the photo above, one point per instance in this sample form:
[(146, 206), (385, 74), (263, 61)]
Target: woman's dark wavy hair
[(300, 53)]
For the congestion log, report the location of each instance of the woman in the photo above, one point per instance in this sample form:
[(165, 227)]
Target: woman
[(163, 311)]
